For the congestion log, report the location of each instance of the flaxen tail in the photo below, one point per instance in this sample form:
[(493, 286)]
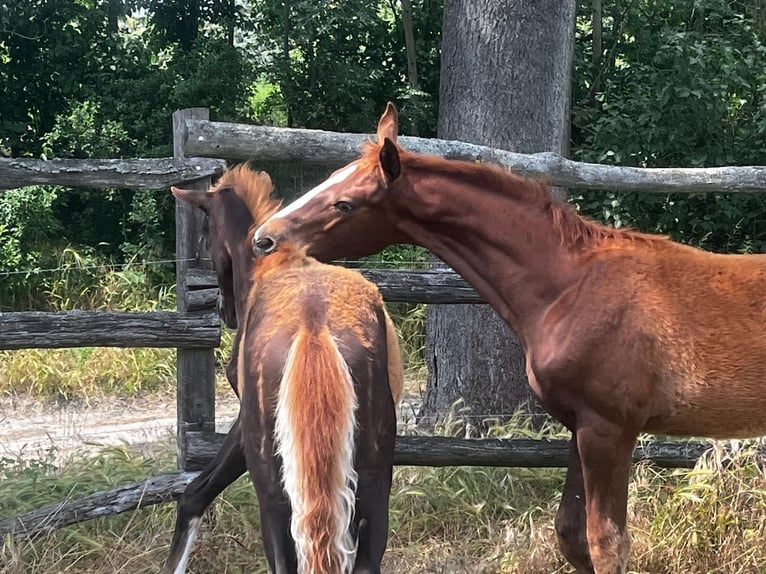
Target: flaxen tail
[(315, 438)]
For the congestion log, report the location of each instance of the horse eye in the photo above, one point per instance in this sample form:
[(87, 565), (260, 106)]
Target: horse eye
[(343, 206)]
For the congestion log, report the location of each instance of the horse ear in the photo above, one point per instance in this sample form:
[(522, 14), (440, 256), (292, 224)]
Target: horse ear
[(388, 125), (196, 197), (389, 160)]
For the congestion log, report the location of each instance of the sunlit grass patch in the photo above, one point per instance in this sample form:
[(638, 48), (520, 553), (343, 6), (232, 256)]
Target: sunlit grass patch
[(86, 372)]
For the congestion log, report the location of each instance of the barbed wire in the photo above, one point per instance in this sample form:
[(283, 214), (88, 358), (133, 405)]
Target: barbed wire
[(110, 266), (356, 264)]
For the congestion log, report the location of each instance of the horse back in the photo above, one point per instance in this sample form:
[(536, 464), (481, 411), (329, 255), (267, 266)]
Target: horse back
[(308, 295)]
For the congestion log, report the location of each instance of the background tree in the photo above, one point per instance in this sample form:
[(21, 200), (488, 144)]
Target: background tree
[(675, 83), (505, 83), (679, 85)]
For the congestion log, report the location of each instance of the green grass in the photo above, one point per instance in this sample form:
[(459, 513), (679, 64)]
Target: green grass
[(455, 519), (82, 282)]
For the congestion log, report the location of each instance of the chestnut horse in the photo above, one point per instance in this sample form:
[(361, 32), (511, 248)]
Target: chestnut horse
[(317, 368), (623, 332)]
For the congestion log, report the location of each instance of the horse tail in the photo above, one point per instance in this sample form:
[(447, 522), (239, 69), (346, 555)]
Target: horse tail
[(315, 425)]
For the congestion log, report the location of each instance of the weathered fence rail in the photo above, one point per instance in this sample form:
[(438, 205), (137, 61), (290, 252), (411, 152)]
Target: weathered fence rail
[(449, 451), (140, 174), (155, 490), (442, 286), (64, 329), (243, 142), (410, 450)]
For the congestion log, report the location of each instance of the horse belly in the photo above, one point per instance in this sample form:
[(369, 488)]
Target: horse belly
[(716, 408)]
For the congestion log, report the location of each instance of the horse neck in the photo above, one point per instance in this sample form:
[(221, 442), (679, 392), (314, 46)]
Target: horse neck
[(494, 231), (235, 221)]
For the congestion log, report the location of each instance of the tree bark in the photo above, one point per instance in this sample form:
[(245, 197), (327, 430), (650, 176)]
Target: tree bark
[(412, 61), (596, 27), (505, 83)]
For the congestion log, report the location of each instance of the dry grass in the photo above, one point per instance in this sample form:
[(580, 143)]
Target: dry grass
[(706, 520)]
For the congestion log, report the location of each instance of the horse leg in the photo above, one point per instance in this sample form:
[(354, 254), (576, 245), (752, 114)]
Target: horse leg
[(606, 452), (225, 468), (275, 515), (374, 461), (571, 518), (371, 519)]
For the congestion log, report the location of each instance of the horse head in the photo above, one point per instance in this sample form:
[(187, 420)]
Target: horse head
[(239, 200), (347, 214)]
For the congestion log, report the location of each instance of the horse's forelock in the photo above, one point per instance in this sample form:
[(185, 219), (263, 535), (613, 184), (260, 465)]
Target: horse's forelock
[(253, 187)]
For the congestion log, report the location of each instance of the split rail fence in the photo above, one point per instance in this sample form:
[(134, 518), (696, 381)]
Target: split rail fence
[(201, 148)]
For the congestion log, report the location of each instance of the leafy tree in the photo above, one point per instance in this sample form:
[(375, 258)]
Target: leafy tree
[(332, 61), (679, 84), (53, 52), (27, 228)]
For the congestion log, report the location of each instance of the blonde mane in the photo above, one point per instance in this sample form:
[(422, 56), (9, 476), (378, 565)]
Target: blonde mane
[(253, 187)]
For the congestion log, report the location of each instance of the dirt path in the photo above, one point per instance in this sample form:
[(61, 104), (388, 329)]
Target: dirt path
[(29, 429), (33, 430)]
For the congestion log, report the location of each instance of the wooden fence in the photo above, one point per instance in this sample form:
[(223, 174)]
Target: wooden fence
[(195, 328)]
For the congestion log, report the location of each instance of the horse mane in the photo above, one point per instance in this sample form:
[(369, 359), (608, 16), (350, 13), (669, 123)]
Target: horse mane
[(576, 231), (253, 187)]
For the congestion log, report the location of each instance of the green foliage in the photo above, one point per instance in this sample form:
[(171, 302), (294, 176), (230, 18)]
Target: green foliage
[(330, 60), (148, 232), (215, 58), (83, 132), (337, 63), (678, 85), (27, 229), (266, 105)]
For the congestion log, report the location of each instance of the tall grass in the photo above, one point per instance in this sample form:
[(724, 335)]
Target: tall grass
[(456, 519), (81, 282)]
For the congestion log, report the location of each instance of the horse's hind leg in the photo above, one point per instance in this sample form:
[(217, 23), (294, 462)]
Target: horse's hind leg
[(571, 518), (275, 512), (606, 451), (225, 468), (371, 519)]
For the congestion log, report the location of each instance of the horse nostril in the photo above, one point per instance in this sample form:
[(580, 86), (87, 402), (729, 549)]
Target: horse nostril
[(265, 244)]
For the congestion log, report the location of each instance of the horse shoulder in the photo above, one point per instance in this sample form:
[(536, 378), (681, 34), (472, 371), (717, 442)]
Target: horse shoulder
[(589, 347)]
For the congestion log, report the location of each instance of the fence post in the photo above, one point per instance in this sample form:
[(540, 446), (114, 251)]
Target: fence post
[(195, 367)]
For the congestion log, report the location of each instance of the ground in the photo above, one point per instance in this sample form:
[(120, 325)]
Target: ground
[(30, 428)]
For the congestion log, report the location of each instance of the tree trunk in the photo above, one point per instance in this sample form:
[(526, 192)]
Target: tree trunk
[(505, 82), (596, 26), (412, 61)]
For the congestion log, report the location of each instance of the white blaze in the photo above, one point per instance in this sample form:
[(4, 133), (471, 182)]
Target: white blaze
[(335, 178)]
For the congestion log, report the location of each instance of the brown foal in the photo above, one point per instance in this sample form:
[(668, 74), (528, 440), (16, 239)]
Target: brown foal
[(317, 368)]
